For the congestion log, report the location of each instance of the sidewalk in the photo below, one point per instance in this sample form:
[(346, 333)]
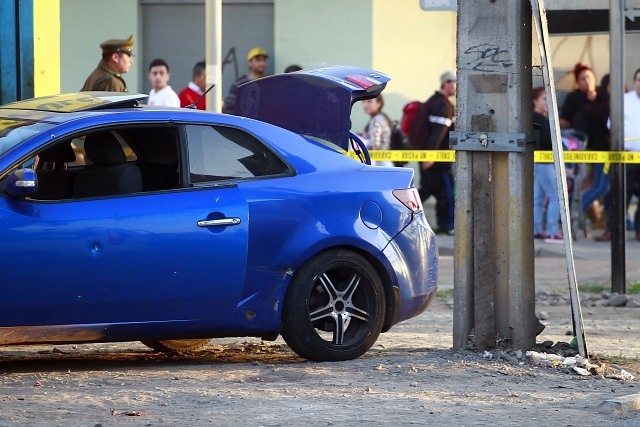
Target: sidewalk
[(592, 261)]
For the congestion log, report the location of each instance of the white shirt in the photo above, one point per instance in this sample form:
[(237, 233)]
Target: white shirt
[(166, 97), (631, 121)]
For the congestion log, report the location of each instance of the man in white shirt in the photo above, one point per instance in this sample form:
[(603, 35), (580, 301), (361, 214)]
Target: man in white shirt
[(632, 143), (161, 94)]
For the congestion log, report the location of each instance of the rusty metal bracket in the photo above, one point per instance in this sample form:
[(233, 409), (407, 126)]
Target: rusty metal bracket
[(487, 141)]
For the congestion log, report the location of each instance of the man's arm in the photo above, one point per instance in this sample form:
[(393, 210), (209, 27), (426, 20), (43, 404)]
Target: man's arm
[(440, 116)]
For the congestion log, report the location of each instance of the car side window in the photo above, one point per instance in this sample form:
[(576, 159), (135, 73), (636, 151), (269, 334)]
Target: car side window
[(221, 153), (109, 162)]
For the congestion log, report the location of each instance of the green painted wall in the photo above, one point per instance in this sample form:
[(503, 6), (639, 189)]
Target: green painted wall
[(328, 32), (84, 25), (315, 33)]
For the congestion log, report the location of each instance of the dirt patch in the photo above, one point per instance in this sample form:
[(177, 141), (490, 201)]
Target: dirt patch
[(411, 376)]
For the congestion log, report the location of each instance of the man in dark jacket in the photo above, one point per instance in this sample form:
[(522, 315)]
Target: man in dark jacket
[(257, 63), (117, 57), (430, 131)]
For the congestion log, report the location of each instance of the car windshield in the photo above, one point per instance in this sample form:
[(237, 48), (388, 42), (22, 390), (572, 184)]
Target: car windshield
[(15, 131)]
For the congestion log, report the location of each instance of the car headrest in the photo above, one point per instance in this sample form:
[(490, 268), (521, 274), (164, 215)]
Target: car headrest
[(102, 148), (59, 153)]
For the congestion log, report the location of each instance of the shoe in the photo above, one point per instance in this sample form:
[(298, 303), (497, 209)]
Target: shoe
[(594, 213), (637, 235), (604, 237), (539, 236), (554, 238), (447, 232)]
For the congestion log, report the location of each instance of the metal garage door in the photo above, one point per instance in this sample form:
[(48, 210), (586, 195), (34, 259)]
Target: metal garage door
[(175, 31)]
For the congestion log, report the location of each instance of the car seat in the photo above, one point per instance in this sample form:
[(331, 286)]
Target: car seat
[(55, 182), (110, 173)]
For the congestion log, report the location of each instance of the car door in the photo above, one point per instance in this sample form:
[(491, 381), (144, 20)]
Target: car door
[(158, 256), (123, 259)]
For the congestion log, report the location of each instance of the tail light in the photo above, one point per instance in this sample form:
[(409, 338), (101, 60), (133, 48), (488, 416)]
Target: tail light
[(410, 198)]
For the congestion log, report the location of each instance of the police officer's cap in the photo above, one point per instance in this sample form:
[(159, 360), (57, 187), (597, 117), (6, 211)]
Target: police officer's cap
[(117, 45)]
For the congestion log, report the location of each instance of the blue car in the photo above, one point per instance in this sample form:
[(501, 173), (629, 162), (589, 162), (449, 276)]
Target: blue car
[(125, 222)]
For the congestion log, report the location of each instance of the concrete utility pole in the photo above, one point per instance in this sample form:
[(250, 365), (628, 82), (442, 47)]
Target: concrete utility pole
[(213, 44), (618, 194), (494, 292)]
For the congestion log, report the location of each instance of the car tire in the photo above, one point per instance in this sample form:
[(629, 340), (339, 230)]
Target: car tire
[(334, 307), (177, 346)]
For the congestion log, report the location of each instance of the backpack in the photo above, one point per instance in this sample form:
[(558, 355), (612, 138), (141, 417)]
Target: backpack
[(408, 114), (398, 141), (419, 128)]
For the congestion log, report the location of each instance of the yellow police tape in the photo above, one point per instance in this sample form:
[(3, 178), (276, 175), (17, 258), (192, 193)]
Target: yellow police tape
[(539, 156)]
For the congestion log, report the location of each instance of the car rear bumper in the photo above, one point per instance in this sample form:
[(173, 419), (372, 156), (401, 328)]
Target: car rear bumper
[(413, 254)]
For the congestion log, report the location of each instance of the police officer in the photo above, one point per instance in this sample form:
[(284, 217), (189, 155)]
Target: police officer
[(117, 58)]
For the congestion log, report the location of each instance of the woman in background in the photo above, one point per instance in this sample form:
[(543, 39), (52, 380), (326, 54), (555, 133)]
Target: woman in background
[(544, 179), (377, 132), (595, 123), (582, 96)]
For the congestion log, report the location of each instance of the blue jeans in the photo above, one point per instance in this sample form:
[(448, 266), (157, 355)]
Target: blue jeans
[(601, 186), (544, 185)]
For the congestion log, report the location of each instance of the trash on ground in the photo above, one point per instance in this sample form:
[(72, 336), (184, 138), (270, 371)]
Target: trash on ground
[(578, 364)]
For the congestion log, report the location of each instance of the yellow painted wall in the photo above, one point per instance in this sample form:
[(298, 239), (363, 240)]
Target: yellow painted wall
[(46, 46), (414, 47)]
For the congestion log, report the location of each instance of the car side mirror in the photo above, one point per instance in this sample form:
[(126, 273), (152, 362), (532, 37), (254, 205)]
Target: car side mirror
[(22, 183)]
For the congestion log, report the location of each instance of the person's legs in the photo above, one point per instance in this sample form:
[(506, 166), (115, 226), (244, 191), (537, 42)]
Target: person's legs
[(447, 180), (634, 175), (438, 181), (426, 184), (539, 197), (631, 173), (441, 189), (548, 184), (601, 186)]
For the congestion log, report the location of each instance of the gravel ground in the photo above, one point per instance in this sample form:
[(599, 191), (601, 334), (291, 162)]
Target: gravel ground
[(410, 377)]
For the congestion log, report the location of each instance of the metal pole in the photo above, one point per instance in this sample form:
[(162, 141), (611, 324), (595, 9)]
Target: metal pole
[(540, 20), (213, 44), (618, 212)]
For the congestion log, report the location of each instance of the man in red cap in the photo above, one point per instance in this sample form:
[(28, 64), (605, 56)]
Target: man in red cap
[(117, 57), (257, 63)]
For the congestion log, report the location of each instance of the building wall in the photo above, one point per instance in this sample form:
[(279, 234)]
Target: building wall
[(332, 32), (380, 34), (414, 47), (392, 36), (314, 34), (84, 24), (16, 50), (46, 47)]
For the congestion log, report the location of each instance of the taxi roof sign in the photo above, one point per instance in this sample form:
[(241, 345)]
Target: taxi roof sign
[(78, 101)]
